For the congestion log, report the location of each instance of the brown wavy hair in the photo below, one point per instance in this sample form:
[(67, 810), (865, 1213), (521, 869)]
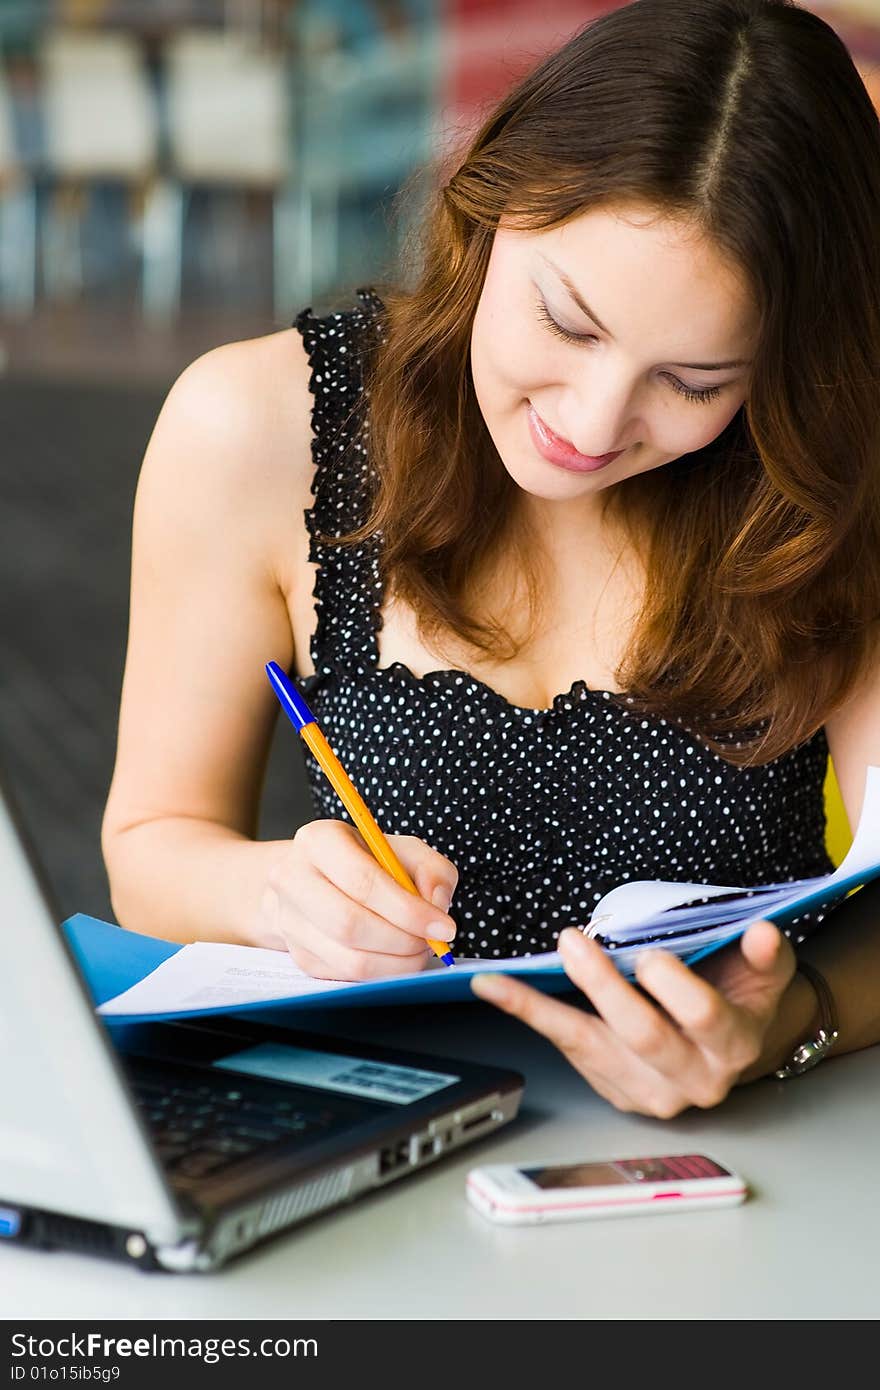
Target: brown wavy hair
[(762, 550)]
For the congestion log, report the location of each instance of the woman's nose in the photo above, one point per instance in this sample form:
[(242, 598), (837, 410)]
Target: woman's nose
[(600, 416)]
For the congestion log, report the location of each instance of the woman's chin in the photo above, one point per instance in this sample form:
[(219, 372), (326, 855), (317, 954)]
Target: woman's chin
[(548, 483)]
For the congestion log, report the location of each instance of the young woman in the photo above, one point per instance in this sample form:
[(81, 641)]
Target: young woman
[(573, 547)]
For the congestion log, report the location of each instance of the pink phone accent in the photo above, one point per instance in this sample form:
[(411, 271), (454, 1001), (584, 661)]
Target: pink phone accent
[(640, 1200)]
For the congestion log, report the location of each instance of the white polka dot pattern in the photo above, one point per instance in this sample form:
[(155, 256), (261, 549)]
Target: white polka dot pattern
[(541, 810)]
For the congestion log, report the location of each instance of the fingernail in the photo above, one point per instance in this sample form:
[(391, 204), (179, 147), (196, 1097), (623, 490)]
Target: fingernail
[(489, 987), (570, 937), (648, 959), (442, 930), (441, 897)]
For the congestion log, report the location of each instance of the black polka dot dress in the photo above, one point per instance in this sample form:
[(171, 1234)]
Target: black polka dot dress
[(542, 811)]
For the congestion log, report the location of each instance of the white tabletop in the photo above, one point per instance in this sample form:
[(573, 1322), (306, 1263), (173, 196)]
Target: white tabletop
[(805, 1244)]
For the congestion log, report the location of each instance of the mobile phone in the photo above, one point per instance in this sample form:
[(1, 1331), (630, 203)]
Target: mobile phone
[(532, 1193)]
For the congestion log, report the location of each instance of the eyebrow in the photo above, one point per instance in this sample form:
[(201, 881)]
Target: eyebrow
[(585, 309)]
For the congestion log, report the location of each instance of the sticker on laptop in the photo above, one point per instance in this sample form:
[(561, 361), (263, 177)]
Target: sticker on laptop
[(356, 1076)]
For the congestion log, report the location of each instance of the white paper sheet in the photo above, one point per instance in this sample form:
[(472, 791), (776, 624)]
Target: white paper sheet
[(210, 974)]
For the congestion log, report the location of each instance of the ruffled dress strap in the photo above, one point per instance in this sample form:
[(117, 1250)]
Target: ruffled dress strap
[(347, 589)]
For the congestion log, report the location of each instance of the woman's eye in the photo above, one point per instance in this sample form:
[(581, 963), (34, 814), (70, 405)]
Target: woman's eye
[(546, 317), (708, 393), (690, 393)]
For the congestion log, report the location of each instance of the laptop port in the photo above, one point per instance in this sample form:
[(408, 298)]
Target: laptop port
[(476, 1120), (394, 1157)]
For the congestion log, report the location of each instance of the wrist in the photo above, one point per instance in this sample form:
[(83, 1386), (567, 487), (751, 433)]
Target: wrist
[(797, 1017), (263, 924), (233, 872), (816, 1047)]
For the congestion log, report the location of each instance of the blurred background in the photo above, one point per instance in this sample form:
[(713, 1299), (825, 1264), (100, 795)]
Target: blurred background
[(175, 174)]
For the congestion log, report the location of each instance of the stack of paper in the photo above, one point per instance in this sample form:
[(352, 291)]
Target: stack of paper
[(693, 919), (689, 919)]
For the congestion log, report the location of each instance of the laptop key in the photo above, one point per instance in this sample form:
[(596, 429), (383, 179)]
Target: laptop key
[(294, 1124), (261, 1117), (230, 1148), (174, 1137), (170, 1153), (260, 1136), (229, 1115), (198, 1164), (200, 1129)]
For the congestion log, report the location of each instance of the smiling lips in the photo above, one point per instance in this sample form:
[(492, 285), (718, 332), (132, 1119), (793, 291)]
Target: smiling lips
[(556, 450)]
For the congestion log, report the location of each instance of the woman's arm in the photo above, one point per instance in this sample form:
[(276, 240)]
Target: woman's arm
[(223, 485), (847, 952), (220, 557)]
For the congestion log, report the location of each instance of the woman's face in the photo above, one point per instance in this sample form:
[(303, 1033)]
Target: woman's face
[(657, 366)]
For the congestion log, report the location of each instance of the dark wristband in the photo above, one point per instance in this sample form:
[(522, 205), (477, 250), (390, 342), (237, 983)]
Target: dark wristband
[(808, 1054)]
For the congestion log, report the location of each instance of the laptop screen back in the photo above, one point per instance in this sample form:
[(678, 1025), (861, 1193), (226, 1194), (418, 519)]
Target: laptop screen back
[(69, 1138)]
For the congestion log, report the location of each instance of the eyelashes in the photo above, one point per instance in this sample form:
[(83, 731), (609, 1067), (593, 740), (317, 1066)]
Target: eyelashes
[(708, 393)]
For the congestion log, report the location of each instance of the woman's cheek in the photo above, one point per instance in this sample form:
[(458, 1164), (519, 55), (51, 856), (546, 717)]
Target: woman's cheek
[(687, 435)]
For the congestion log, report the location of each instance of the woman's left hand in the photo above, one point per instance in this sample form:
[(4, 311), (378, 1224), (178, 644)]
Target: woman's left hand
[(687, 1044)]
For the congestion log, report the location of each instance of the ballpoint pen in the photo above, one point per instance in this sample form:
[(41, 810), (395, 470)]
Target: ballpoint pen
[(303, 721)]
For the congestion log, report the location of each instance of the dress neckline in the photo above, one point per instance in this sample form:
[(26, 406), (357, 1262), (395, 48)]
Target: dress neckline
[(454, 677)]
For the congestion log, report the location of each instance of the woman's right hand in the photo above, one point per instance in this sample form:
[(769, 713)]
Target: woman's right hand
[(343, 917)]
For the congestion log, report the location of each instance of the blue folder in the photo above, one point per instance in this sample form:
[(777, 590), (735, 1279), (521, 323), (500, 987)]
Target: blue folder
[(112, 960)]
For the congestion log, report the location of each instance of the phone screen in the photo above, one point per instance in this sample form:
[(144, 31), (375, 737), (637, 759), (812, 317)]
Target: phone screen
[(626, 1170)]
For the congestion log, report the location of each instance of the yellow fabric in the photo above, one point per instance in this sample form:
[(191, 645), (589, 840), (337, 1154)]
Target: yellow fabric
[(838, 836)]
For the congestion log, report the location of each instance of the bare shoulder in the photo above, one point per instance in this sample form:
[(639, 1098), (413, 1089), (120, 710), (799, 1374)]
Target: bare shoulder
[(260, 371), (232, 443)]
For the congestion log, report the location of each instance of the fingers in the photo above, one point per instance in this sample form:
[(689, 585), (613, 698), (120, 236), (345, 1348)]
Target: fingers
[(724, 1040), (348, 922), (632, 1017), (342, 916), (325, 959), (343, 860), (769, 953), (559, 1022), (753, 972), (435, 876), (656, 1060), (589, 1045), (726, 1034), (698, 1044)]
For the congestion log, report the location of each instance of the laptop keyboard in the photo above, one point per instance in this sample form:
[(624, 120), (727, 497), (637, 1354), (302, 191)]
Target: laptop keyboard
[(199, 1129)]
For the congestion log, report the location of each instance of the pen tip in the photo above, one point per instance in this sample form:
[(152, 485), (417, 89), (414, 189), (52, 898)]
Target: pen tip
[(448, 958)]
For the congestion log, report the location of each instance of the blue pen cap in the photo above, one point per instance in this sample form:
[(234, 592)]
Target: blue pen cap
[(292, 702)]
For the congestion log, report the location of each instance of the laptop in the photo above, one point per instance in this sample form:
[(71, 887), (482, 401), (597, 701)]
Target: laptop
[(175, 1146)]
